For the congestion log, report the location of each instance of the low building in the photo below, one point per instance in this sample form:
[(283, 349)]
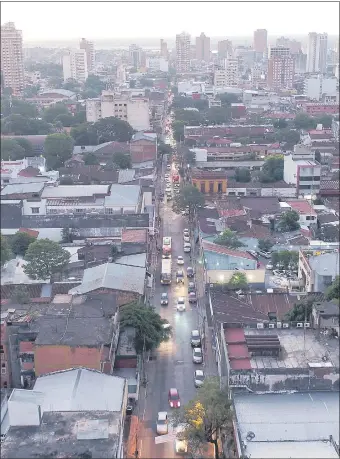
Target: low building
[(209, 181), (317, 109), (63, 411), (318, 269), (307, 214), (325, 317), (280, 189), (302, 170), (143, 148)]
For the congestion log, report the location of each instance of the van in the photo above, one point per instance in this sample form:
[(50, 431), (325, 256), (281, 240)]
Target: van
[(187, 247)]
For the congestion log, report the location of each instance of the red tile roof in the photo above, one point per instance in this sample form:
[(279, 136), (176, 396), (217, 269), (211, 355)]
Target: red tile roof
[(238, 354), (27, 366), (133, 235), (211, 247), (30, 232), (234, 335), (302, 207), (231, 212), (242, 364), (26, 346)]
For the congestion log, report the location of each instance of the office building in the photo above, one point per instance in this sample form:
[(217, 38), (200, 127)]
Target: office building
[(12, 58), (134, 110), (203, 48), (281, 68), (182, 52), (225, 49), (157, 64), (135, 56), (317, 53), (164, 49), (260, 41), (75, 65), (317, 88), (88, 46), (228, 77)]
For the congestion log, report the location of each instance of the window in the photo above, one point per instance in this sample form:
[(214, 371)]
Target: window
[(80, 211), (109, 211), (202, 187), (231, 193), (219, 187), (35, 210), (1, 349), (3, 369), (211, 187)]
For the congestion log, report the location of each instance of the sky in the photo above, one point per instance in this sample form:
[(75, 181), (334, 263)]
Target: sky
[(99, 20)]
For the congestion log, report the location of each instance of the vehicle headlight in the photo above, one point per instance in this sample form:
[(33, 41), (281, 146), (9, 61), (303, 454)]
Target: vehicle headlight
[(171, 404), (179, 404)]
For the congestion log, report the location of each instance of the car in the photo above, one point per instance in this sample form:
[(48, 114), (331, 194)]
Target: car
[(174, 399), (187, 247), (164, 299), (186, 238), (180, 304), (199, 378), (162, 423), (186, 231), (166, 176), (168, 167), (191, 287), (190, 272), (181, 444), (192, 297), (183, 212), (168, 189), (180, 260), (180, 276), (197, 355), (253, 253), (195, 339), (265, 254), (269, 266)]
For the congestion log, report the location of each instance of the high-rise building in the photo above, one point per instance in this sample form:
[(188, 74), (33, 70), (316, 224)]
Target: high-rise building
[(75, 65), (12, 58), (225, 49), (260, 41), (229, 77), (183, 52), (281, 68), (164, 49), (317, 53), (88, 46), (203, 48), (135, 56)]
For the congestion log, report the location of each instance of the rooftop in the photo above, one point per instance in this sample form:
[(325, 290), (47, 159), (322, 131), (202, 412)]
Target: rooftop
[(123, 195), (138, 259), (211, 247), (302, 207), (134, 235), (325, 264), (74, 191), (288, 425), (13, 273), (23, 188)]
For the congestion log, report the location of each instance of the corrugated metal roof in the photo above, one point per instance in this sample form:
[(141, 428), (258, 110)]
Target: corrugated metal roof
[(123, 195), (23, 188)]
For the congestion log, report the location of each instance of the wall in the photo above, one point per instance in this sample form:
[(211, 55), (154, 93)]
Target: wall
[(289, 192), (5, 376), (122, 297), (206, 184), (255, 277), (54, 358)]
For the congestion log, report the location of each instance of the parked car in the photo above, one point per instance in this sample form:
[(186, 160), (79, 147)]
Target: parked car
[(265, 254), (197, 355), (187, 247), (192, 297), (195, 340), (191, 287), (186, 232), (173, 398), (186, 238), (181, 444), (199, 378), (164, 299), (190, 272), (162, 423)]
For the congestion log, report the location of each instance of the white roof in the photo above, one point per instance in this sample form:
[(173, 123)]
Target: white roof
[(70, 191), (22, 188), (80, 390), (123, 195)]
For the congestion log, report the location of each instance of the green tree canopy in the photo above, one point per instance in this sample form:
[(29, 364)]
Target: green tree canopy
[(5, 250), (21, 125), (227, 99), (217, 115), (301, 311), (189, 197), (20, 243), (242, 174), (178, 130), (325, 120), (111, 128), (303, 121), (289, 137), (11, 150), (272, 170), (191, 117), (90, 159), (51, 113), (265, 245), (289, 221), (205, 416), (95, 84), (26, 145), (14, 106), (163, 149), (229, 239), (280, 124), (122, 160), (238, 281), (20, 294), (333, 292), (286, 258), (58, 149), (189, 157), (84, 134), (149, 326), (45, 258)]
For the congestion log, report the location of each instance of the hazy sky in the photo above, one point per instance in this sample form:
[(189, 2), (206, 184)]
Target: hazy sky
[(73, 20)]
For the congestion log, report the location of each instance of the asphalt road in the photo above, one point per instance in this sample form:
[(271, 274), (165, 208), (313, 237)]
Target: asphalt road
[(173, 366)]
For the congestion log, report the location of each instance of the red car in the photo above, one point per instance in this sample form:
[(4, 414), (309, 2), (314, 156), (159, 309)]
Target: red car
[(174, 400)]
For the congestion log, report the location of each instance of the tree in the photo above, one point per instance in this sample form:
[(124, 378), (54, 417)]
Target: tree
[(67, 234), (303, 121), (21, 125), (242, 174), (191, 117), (325, 120), (5, 250), (122, 160), (164, 149), (20, 295), (114, 252), (20, 243), (72, 85), (26, 145), (288, 259), (218, 115), (238, 281), (205, 416), (228, 99), (333, 292), (66, 180), (178, 130), (229, 239), (11, 150), (84, 134), (45, 258), (189, 197), (95, 84), (111, 128), (289, 137), (189, 157), (148, 325), (289, 221), (58, 149), (272, 170), (90, 159), (66, 119), (265, 245), (51, 113), (280, 124), (301, 311)]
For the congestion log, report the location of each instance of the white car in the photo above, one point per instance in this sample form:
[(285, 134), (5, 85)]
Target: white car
[(197, 355), (199, 378), (162, 423), (181, 444), (187, 247), (269, 266), (168, 189), (166, 176), (186, 231), (180, 304), (186, 238), (180, 260)]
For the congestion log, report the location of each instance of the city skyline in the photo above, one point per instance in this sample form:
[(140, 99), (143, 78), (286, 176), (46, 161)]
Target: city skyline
[(322, 17)]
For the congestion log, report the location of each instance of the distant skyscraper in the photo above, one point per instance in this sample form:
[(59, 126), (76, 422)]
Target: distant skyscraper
[(75, 65), (317, 53), (260, 41), (203, 48), (88, 46), (164, 49), (224, 49), (281, 68), (12, 58), (183, 52), (135, 56)]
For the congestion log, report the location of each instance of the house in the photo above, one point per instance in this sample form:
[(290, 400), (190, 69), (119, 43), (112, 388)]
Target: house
[(31, 192), (103, 151), (209, 181), (88, 175), (307, 214), (325, 316), (143, 148), (62, 410), (318, 269), (254, 188)]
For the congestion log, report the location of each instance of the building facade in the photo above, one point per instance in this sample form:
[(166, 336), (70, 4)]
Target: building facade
[(182, 52), (209, 182), (224, 49), (4, 357), (317, 87), (317, 52), (260, 41), (88, 46), (12, 58), (318, 269), (164, 49), (135, 56), (75, 65), (281, 69), (203, 48), (302, 170), (229, 76)]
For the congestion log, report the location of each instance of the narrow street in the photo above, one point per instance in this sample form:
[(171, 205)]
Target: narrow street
[(173, 366)]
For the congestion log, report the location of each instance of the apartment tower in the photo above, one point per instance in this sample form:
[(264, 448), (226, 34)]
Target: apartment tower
[(281, 68), (260, 41), (317, 52), (164, 49), (88, 46), (75, 65), (225, 49), (182, 52), (12, 58), (203, 48)]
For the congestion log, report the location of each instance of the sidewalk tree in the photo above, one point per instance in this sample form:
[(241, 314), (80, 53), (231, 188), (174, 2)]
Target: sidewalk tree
[(5, 250), (163, 149), (58, 149), (189, 197), (265, 245), (289, 221), (333, 292), (148, 325), (45, 258), (20, 243), (205, 416), (238, 281), (178, 130), (229, 239), (189, 157)]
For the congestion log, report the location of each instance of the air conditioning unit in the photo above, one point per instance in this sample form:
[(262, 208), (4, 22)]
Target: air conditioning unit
[(260, 325), (279, 324), (299, 325), (285, 325), (307, 325), (271, 325)]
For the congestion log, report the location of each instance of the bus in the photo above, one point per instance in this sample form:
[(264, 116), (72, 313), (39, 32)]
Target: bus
[(166, 272), (166, 247)]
